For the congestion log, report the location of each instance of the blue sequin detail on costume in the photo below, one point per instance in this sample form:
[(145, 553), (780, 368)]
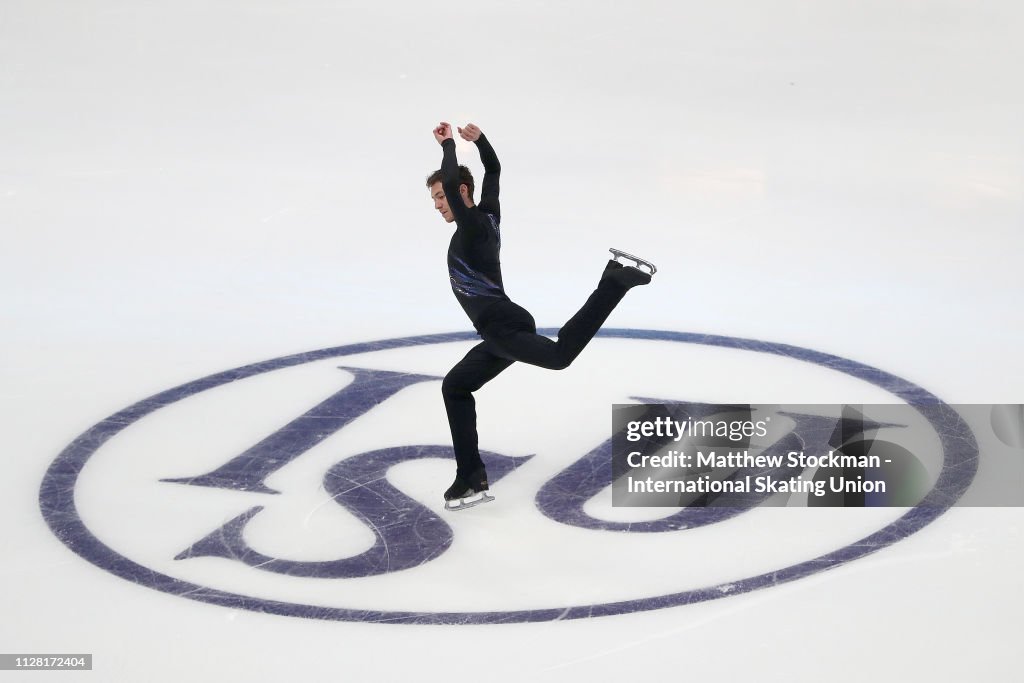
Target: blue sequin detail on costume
[(469, 282), (497, 230)]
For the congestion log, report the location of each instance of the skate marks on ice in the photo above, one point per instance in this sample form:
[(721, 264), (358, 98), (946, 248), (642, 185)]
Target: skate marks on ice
[(407, 533), (407, 538)]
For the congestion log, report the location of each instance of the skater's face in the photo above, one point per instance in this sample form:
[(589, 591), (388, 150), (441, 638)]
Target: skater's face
[(441, 202)]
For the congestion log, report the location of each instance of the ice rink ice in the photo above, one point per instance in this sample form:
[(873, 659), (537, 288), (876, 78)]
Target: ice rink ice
[(215, 220)]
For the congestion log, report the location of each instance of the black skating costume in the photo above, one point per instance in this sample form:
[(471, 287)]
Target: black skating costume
[(508, 330)]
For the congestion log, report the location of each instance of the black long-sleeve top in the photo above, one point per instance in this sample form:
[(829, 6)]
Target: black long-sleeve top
[(473, 264)]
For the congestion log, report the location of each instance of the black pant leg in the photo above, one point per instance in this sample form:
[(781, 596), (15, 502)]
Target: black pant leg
[(478, 367), (581, 328), (529, 347), (511, 335)]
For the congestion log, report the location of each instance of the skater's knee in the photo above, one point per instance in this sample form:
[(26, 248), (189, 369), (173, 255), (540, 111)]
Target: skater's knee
[(560, 363), (450, 386), (454, 385)]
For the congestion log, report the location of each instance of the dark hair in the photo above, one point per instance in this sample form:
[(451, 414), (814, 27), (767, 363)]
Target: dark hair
[(465, 178)]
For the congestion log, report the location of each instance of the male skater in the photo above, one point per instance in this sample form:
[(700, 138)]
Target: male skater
[(509, 332)]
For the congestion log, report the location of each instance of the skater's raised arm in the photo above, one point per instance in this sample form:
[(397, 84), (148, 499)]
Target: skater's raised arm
[(450, 175), (492, 168)]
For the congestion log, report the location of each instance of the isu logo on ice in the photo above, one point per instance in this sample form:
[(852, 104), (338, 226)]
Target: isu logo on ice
[(310, 486)]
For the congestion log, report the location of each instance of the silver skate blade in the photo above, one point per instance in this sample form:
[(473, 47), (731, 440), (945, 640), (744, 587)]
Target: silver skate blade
[(467, 502), (640, 263)]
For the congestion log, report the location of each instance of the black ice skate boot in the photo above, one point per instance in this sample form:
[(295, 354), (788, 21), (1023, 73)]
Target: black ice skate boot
[(467, 492), (627, 276)]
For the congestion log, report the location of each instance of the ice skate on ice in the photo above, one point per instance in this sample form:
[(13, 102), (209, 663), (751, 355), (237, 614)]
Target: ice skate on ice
[(471, 499), (466, 493)]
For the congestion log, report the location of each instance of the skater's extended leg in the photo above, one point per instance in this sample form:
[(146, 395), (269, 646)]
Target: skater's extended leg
[(529, 347), (478, 367), (581, 328)]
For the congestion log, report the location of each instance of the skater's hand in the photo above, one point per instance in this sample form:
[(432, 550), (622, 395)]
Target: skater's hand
[(443, 132), (471, 132)]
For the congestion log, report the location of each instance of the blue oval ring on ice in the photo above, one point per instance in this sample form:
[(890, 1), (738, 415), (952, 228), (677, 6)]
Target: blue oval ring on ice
[(959, 465)]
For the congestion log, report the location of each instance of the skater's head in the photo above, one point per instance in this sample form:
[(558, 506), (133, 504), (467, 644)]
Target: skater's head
[(441, 201)]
